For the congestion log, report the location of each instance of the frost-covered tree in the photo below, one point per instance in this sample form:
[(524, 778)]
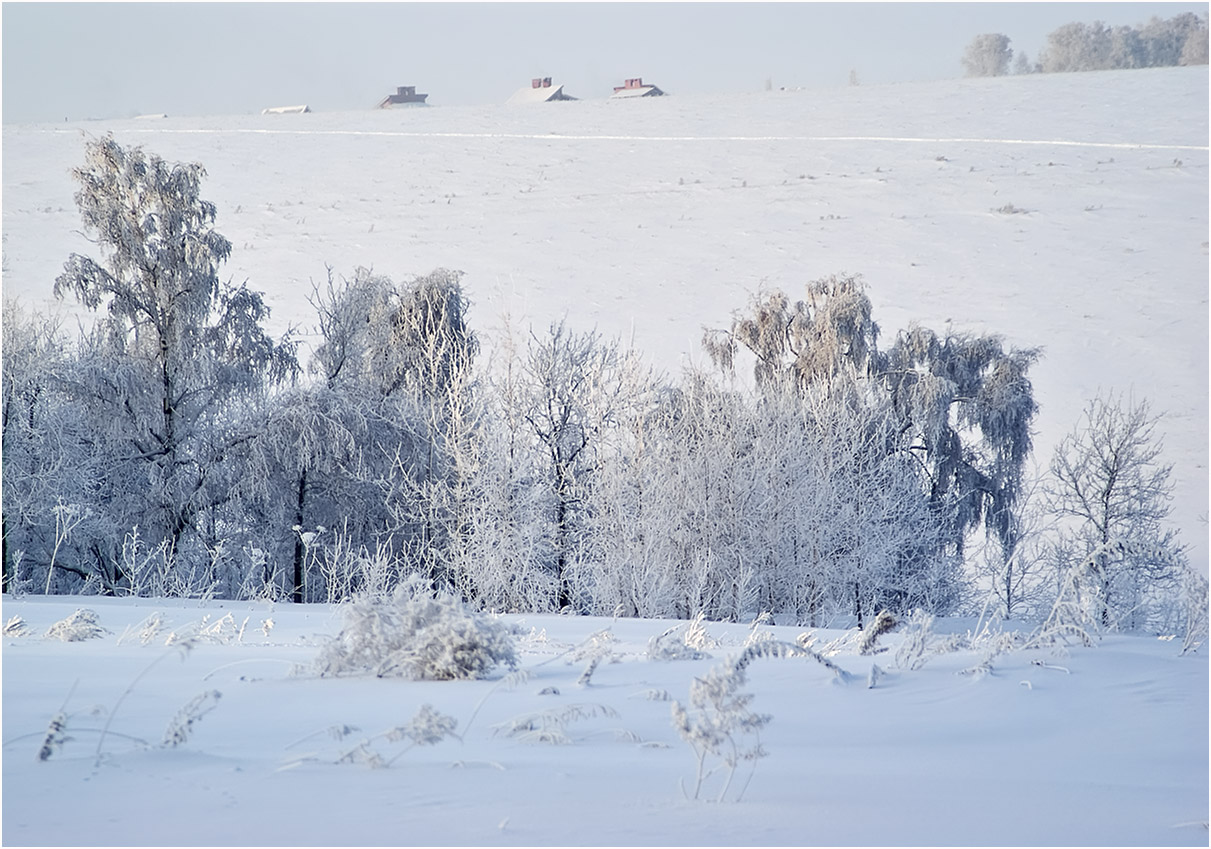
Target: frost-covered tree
[(506, 540), (366, 453), (962, 405), (1077, 47), (1023, 65), (1108, 479), (51, 477), (182, 346), (1194, 51), (828, 334), (671, 515), (969, 404), (987, 55), (431, 332), (390, 339), (1181, 40), (1127, 49), (1014, 566), (573, 388), (310, 485)]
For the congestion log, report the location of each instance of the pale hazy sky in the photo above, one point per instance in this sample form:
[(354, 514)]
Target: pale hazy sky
[(114, 60)]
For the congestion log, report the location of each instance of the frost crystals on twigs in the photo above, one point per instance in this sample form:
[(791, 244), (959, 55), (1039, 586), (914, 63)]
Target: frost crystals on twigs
[(718, 719), (883, 623), (682, 642), (417, 635)]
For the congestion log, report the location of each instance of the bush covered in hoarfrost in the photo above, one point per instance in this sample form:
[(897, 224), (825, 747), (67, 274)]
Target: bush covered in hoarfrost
[(416, 634)]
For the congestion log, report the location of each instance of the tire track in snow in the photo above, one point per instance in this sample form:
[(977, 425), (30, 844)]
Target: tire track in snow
[(583, 137)]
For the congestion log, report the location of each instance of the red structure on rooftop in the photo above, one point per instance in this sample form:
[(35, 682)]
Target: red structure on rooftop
[(634, 87)]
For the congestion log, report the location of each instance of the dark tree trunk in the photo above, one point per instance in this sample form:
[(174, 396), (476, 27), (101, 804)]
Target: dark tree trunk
[(6, 580), (297, 593), (561, 563)]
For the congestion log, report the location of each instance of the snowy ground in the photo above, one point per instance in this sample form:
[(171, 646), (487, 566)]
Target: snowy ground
[(1067, 211), (1064, 211), (1101, 746)]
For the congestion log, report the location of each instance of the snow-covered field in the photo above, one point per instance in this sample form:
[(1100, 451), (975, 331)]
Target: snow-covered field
[(1101, 746), (1064, 211), (651, 218)]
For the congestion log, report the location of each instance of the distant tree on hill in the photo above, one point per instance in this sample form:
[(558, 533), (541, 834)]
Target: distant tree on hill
[(1077, 47), (1194, 51), (1167, 40), (1021, 65), (1181, 40), (987, 55)]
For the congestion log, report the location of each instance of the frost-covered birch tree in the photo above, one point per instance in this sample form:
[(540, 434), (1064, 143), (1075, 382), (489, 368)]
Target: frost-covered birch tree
[(184, 346), (960, 407), (968, 403)]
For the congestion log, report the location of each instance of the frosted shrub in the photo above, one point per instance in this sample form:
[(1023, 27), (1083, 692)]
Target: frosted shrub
[(416, 635), (81, 625)]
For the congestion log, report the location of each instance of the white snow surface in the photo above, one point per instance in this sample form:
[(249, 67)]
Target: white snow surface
[(651, 218), (1085, 746), (648, 219)]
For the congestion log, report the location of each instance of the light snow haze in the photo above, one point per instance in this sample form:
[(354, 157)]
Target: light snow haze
[(235, 58)]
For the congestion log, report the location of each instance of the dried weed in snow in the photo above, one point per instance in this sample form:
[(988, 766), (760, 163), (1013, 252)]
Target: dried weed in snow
[(16, 627), (181, 726), (56, 736)]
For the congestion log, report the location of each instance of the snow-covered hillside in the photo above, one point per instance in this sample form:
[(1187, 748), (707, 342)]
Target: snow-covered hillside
[(962, 744), (1062, 211)]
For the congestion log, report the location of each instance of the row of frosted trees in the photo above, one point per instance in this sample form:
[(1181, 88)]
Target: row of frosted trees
[(1160, 43), (175, 449)]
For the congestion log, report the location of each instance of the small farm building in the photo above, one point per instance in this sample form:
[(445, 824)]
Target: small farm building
[(405, 95), (636, 88), (540, 91)]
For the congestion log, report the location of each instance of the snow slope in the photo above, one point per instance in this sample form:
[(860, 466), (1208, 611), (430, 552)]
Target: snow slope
[(1101, 746), (1066, 211)]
